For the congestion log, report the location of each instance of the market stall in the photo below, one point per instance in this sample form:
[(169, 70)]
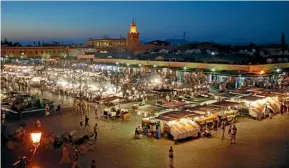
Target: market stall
[(179, 124)]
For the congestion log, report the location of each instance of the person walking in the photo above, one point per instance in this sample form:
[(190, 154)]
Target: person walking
[(75, 158), (86, 121), (47, 108), (229, 133), (234, 133), (81, 123), (223, 127), (171, 157), (65, 158), (95, 130)]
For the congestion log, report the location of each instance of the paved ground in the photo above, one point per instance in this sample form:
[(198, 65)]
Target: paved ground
[(260, 144)]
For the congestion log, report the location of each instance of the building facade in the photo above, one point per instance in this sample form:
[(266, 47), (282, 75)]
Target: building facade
[(30, 52), (131, 43)]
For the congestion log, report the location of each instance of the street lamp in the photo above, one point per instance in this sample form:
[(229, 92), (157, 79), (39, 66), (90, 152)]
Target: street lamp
[(36, 137)]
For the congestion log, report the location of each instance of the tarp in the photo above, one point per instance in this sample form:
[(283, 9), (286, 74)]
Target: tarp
[(174, 104)]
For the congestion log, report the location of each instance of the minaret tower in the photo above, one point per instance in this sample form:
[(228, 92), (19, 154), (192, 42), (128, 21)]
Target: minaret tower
[(132, 40)]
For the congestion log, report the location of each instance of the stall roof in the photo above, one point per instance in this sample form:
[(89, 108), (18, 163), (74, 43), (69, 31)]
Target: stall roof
[(225, 103), (241, 92), (206, 108), (251, 98), (177, 114), (148, 108), (174, 104), (198, 99), (266, 94), (255, 89), (164, 118), (226, 95)]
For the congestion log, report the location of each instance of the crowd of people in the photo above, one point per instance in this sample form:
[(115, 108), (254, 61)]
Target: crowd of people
[(90, 85)]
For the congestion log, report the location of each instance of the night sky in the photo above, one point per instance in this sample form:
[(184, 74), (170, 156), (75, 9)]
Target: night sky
[(223, 22)]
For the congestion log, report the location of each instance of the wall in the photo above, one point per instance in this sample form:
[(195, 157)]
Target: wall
[(34, 51)]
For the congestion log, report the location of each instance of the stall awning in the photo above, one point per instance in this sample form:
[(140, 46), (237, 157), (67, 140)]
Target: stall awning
[(174, 104), (226, 104)]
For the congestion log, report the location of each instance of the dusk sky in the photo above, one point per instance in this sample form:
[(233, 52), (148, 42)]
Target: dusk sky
[(224, 22)]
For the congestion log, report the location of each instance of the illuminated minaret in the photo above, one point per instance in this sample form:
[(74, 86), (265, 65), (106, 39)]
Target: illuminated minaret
[(132, 40)]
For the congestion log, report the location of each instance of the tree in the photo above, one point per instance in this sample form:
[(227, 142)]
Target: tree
[(5, 41), (34, 43), (38, 43)]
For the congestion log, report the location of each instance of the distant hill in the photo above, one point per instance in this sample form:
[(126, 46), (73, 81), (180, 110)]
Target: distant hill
[(178, 41), (142, 42)]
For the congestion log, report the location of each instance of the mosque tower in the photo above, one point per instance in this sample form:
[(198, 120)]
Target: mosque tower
[(132, 40)]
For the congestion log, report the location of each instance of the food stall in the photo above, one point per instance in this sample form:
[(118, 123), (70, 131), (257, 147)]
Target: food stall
[(149, 110), (259, 106), (179, 124), (209, 113)]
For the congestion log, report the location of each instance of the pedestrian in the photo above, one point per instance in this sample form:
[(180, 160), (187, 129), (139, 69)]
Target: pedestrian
[(171, 157), (215, 125), (93, 164), (86, 121), (223, 127), (65, 158), (47, 108), (229, 133), (75, 158), (95, 130), (234, 133), (81, 123), (58, 109)]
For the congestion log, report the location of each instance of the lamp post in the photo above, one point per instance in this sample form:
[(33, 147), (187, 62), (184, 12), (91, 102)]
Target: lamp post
[(36, 138)]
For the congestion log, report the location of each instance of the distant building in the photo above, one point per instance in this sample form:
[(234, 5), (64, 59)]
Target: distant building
[(30, 52), (116, 44), (129, 44)]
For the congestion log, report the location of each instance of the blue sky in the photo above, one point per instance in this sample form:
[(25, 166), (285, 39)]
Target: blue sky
[(225, 22)]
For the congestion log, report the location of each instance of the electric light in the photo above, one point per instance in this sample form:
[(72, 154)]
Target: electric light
[(36, 137)]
